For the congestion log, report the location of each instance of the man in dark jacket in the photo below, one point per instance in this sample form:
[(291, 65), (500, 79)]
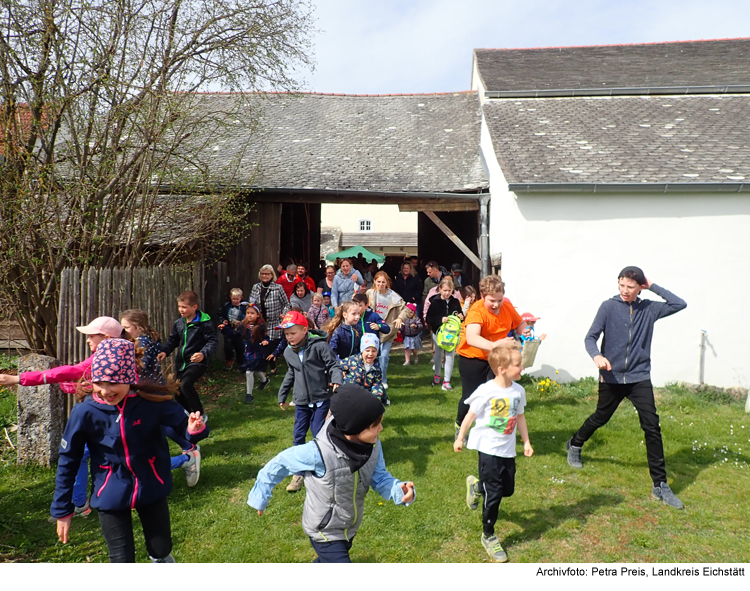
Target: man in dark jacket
[(194, 339), (624, 364)]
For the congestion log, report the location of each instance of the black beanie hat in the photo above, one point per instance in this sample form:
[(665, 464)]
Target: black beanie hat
[(634, 273), (355, 408)]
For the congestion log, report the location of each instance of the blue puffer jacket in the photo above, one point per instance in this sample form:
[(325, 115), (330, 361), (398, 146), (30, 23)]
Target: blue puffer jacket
[(371, 317), (345, 340), (343, 287), (130, 464)]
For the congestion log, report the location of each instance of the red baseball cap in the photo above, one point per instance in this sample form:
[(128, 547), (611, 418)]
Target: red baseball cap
[(529, 317), (292, 318)]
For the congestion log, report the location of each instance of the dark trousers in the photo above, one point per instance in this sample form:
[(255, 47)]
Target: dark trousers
[(474, 373), (188, 395), (306, 418), (329, 552), (234, 346), (270, 348), (117, 527), (497, 479), (641, 394)]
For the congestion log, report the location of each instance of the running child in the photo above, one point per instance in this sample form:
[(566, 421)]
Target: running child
[(136, 327), (318, 311), (194, 339), (255, 339), (411, 331), (327, 303), (364, 369), (369, 320), (122, 422), (344, 332), (230, 316), (442, 305), (497, 407), (314, 372), (69, 376), (340, 466)]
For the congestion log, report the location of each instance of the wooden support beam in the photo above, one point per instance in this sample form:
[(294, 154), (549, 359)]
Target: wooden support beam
[(455, 239), (441, 205)]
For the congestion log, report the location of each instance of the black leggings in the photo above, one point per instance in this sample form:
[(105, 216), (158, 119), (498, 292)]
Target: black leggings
[(474, 373), (117, 527)]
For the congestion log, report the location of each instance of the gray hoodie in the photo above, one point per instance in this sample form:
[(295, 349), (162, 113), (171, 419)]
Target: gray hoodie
[(628, 329)]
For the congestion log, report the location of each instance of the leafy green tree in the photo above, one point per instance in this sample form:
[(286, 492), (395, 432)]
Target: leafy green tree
[(103, 126)]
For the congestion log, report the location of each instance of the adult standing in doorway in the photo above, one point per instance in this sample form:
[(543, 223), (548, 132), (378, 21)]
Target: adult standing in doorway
[(390, 306), (487, 325), (271, 298), (345, 284), (624, 364), (326, 284), (303, 276), (408, 285), (288, 279)]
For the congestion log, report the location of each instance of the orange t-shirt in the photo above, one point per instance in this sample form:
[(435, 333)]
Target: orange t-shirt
[(493, 329)]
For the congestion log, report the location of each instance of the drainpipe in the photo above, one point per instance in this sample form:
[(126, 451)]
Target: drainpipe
[(702, 369), (484, 233)]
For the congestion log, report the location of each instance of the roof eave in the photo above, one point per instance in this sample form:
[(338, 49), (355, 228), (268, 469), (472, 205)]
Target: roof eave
[(629, 187), (635, 91)]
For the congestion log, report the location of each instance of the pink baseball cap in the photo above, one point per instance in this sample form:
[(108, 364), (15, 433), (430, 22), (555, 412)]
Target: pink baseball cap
[(529, 317), (102, 325)]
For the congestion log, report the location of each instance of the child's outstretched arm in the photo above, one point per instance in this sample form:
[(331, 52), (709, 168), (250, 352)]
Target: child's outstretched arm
[(299, 458), (333, 365), (388, 487), (458, 444), (523, 430)]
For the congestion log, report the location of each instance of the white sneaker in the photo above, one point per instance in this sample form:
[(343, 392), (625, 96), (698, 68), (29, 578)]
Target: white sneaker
[(406, 363), (192, 467), (385, 385)]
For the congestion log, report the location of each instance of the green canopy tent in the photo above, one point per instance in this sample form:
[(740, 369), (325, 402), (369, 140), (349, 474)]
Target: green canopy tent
[(353, 252)]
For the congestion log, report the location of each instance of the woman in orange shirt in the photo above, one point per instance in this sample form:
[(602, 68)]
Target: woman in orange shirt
[(486, 326)]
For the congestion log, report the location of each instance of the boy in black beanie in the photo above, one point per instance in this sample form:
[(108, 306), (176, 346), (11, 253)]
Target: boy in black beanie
[(340, 466)]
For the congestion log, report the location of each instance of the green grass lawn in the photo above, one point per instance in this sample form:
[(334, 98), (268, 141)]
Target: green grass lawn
[(602, 513)]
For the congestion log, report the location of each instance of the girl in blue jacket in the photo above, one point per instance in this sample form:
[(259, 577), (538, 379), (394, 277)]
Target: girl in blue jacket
[(121, 422), (343, 331)]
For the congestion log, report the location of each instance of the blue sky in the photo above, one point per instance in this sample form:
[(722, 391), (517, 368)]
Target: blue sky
[(407, 46)]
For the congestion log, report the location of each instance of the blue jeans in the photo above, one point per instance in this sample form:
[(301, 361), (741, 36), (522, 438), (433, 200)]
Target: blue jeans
[(81, 485), (385, 353), (308, 418)]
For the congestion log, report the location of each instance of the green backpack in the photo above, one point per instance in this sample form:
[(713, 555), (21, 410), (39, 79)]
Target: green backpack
[(449, 334)]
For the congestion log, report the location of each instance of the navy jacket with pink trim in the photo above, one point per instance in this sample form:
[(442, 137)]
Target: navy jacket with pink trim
[(130, 462)]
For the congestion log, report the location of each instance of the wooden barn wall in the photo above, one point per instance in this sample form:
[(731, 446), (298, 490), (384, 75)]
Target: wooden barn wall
[(244, 260), (434, 245)]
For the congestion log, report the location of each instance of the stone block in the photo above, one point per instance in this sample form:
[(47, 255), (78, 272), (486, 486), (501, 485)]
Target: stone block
[(41, 415)]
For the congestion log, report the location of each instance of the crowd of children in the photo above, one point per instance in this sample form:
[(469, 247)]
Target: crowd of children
[(336, 376)]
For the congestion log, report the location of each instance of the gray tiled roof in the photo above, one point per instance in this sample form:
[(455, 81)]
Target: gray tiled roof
[(654, 65), (665, 139), (419, 143)]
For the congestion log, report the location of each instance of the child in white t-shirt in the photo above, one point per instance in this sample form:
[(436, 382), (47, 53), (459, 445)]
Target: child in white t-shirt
[(497, 407)]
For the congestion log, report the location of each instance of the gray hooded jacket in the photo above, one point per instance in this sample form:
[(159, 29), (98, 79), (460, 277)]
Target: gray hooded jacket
[(312, 376)]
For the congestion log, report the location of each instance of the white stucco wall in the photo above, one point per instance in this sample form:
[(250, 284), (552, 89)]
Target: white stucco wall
[(562, 253), (385, 218)]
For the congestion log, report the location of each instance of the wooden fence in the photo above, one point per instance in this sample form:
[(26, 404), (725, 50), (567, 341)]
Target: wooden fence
[(88, 293)]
